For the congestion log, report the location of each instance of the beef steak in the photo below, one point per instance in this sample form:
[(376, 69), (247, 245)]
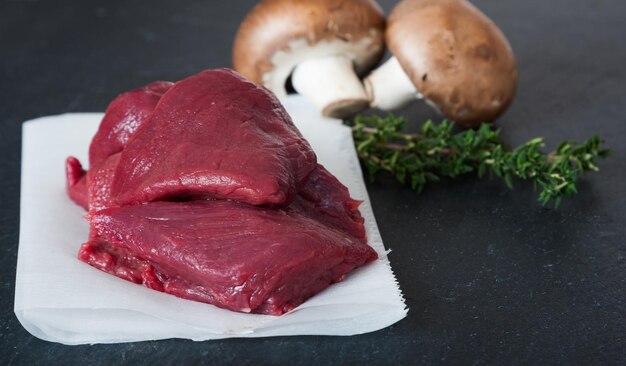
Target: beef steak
[(214, 135), (234, 255), (207, 191)]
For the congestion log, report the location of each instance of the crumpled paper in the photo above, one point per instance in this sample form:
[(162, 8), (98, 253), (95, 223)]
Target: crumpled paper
[(60, 299)]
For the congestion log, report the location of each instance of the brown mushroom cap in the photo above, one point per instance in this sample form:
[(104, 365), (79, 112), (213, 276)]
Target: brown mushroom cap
[(455, 56), (273, 25)]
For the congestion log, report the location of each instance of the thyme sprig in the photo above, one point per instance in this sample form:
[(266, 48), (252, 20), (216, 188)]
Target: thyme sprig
[(436, 152)]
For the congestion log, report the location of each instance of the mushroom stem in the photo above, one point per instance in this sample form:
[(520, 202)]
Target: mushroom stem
[(389, 87), (332, 85)]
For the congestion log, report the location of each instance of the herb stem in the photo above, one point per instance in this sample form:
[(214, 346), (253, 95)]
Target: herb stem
[(437, 152)]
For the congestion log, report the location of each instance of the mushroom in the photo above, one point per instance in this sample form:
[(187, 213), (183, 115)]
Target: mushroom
[(322, 44), (450, 54)]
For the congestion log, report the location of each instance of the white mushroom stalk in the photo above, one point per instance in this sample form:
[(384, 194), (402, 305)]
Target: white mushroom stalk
[(323, 44), (331, 84), (389, 87), (450, 53)]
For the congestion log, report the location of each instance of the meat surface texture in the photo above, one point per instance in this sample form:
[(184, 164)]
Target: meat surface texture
[(237, 256), (122, 119), (76, 182), (325, 199), (215, 135), (211, 194)]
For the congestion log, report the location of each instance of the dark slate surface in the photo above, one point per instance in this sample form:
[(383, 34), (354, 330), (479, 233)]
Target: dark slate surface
[(490, 276)]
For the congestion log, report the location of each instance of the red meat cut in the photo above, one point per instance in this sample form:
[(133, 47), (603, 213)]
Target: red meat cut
[(236, 256), (76, 182), (328, 201), (215, 135), (215, 196), (122, 118), (99, 183)]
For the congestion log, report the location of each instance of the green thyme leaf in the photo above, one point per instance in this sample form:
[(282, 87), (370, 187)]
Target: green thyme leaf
[(437, 152)]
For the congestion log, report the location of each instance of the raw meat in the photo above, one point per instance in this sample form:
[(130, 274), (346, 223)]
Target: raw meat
[(91, 189), (230, 254), (76, 182), (325, 199), (122, 118), (215, 135), (253, 223), (99, 183)]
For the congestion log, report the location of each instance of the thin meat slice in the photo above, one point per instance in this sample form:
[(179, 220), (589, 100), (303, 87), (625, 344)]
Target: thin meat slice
[(122, 118), (215, 135), (233, 255)]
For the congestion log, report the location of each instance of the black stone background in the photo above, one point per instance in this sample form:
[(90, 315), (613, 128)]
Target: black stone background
[(490, 276)]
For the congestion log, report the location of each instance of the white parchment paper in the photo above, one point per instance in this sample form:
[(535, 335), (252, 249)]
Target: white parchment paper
[(60, 299)]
